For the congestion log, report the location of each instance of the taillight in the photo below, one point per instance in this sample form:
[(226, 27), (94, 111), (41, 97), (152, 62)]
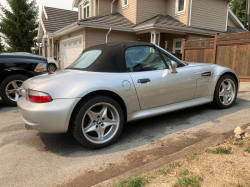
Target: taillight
[(39, 97)]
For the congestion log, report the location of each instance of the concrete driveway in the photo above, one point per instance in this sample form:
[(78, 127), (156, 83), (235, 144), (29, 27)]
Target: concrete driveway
[(30, 158)]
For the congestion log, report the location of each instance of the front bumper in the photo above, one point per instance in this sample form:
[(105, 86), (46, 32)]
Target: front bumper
[(50, 117), (34, 73)]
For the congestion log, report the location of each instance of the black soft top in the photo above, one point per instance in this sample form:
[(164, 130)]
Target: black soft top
[(112, 58)]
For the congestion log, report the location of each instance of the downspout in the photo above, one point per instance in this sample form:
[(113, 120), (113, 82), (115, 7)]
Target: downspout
[(98, 7), (190, 12), (112, 6), (108, 34), (227, 16)]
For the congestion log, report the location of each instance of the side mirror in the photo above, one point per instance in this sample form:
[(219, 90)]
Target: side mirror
[(173, 67)]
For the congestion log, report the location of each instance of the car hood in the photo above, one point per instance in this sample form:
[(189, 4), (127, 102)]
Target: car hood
[(32, 82)]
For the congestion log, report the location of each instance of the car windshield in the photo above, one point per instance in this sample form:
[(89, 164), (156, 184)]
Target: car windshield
[(85, 59)]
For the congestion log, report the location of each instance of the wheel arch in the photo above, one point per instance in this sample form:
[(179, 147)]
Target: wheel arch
[(6, 74), (233, 75), (107, 93), (227, 73)]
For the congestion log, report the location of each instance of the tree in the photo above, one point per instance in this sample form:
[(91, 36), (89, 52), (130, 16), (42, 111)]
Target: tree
[(239, 9), (19, 26), (1, 45)]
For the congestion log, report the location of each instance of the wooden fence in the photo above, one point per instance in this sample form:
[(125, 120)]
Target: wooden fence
[(229, 50)]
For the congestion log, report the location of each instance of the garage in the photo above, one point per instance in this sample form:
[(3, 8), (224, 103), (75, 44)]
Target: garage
[(70, 50)]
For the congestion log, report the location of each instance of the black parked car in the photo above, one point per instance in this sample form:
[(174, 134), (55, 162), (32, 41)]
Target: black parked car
[(14, 70)]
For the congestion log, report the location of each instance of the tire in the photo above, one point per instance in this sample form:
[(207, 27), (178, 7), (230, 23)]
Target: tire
[(51, 68), (18, 79), (91, 125), (224, 97)]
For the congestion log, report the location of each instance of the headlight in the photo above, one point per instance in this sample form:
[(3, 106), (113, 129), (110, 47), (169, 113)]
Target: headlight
[(41, 67)]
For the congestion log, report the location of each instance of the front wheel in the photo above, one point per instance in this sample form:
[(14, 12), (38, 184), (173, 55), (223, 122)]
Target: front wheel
[(10, 88), (225, 92), (51, 68), (98, 122)]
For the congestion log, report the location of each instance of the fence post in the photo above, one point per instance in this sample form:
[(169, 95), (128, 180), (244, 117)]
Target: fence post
[(215, 47), (183, 49)]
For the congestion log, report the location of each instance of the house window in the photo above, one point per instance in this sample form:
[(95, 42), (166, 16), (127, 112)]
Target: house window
[(86, 10), (177, 46), (125, 3), (180, 7)]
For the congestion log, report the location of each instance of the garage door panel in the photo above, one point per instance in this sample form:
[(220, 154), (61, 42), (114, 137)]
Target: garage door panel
[(70, 55), (71, 49)]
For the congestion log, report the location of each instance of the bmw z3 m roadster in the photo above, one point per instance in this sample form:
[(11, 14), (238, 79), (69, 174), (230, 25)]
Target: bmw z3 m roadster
[(114, 83)]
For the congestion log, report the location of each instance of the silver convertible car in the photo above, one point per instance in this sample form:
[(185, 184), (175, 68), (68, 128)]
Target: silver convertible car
[(119, 82)]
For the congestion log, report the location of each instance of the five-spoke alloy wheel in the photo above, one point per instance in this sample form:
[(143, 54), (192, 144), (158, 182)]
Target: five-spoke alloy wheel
[(225, 92), (10, 88), (100, 123), (97, 122)]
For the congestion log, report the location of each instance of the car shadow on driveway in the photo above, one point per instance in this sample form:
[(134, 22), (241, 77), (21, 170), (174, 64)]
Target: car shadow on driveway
[(142, 132)]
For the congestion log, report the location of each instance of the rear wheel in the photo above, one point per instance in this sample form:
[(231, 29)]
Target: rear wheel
[(10, 88), (225, 92), (98, 122)]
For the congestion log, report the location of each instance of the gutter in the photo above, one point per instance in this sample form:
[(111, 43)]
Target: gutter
[(101, 26), (108, 34), (112, 6), (173, 28)]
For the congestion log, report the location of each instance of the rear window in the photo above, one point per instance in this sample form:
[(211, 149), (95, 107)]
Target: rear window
[(85, 59)]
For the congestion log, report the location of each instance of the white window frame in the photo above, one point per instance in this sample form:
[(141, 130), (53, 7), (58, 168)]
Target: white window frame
[(174, 44), (125, 5), (177, 12), (85, 6)]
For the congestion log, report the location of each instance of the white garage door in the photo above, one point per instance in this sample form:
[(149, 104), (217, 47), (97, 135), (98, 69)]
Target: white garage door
[(70, 50)]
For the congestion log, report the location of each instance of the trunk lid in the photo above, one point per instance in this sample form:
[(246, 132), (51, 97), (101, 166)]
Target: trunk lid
[(32, 82)]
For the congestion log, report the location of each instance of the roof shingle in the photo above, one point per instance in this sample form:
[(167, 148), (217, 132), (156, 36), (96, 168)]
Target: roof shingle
[(58, 18), (110, 19)]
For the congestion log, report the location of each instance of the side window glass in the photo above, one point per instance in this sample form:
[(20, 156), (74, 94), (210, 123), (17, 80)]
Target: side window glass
[(168, 59), (143, 58)]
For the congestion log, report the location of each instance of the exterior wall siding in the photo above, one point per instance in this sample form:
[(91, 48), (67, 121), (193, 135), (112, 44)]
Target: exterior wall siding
[(98, 36), (129, 12), (170, 10), (148, 9), (231, 23), (209, 14), (74, 34), (105, 7)]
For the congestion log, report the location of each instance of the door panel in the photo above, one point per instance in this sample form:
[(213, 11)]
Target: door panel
[(164, 87)]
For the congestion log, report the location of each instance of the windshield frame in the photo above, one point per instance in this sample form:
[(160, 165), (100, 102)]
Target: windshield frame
[(174, 57)]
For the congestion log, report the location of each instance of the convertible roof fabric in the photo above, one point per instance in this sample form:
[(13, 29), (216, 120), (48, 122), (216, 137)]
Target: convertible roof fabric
[(112, 58)]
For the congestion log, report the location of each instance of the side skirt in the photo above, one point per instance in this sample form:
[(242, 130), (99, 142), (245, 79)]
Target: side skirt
[(168, 108)]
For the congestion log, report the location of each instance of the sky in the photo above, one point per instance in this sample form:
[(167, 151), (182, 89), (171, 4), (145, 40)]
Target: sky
[(64, 4)]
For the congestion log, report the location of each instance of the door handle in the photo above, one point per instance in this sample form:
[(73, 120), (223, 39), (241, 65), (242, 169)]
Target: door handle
[(207, 74), (143, 81)]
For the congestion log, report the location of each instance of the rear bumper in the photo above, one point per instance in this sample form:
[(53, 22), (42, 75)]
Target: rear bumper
[(50, 117)]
